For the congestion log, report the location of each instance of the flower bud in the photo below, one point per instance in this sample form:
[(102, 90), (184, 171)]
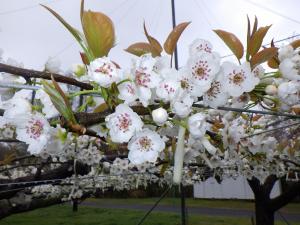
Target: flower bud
[(160, 116), (271, 90), (78, 70)]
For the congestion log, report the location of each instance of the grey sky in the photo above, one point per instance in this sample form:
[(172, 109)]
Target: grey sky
[(30, 34)]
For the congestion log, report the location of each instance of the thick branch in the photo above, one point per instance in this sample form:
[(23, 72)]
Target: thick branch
[(287, 196), (26, 73)]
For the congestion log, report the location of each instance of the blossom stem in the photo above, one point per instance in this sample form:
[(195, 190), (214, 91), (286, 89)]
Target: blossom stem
[(84, 93), (179, 154)]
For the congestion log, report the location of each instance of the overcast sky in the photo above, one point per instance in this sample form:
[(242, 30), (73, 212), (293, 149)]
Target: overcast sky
[(30, 34)]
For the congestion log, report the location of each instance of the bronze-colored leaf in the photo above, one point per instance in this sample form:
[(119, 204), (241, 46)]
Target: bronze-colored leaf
[(156, 48), (101, 108), (173, 37), (263, 56), (273, 63), (248, 37), (295, 44), (139, 48), (257, 39), (254, 29), (84, 58), (232, 42), (99, 32)]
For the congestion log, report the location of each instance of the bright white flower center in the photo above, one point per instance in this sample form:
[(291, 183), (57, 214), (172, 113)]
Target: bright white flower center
[(201, 70), (142, 78), (105, 69), (34, 128), (237, 78), (145, 143), (124, 122)]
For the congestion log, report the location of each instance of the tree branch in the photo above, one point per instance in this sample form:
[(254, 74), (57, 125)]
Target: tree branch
[(287, 196), (26, 73)]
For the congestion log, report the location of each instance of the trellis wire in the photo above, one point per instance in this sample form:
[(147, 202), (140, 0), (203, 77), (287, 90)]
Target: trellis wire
[(155, 205)]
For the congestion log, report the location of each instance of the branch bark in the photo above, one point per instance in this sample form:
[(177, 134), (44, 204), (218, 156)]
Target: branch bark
[(26, 73)]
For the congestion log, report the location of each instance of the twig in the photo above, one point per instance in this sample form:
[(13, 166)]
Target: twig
[(26, 73)]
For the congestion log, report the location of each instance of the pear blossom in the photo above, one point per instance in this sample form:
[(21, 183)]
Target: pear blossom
[(123, 123), (145, 77), (34, 130), (145, 146), (216, 95), (200, 46), (53, 65), (285, 52), (203, 69), (160, 116), (168, 88), (238, 79), (288, 92), (197, 125), (16, 106), (104, 72), (186, 81), (182, 104), (289, 68), (127, 92)]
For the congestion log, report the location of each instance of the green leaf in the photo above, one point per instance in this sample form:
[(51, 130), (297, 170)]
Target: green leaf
[(139, 48), (257, 39), (59, 102), (99, 32), (263, 56), (101, 108), (232, 42), (173, 37), (156, 48)]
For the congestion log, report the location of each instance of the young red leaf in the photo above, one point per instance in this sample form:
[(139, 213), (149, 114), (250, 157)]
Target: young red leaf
[(156, 48), (173, 37), (139, 48), (295, 44), (263, 56), (232, 42), (257, 39)]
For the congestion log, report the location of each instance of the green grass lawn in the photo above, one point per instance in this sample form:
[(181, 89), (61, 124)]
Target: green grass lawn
[(63, 215), (191, 202)]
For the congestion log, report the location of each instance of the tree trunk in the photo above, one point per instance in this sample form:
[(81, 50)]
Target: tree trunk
[(263, 215)]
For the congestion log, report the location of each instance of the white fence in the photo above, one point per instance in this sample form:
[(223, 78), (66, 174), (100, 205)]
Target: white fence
[(229, 189)]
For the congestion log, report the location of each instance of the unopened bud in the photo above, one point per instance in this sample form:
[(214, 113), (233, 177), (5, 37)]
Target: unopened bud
[(160, 116), (271, 89)]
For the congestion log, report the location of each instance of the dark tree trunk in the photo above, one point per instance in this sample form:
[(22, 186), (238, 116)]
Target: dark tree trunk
[(265, 207), (75, 205), (263, 215)]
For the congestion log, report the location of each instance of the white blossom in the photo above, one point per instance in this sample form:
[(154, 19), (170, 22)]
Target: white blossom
[(203, 69), (238, 79), (33, 130), (123, 123), (104, 72), (145, 147)]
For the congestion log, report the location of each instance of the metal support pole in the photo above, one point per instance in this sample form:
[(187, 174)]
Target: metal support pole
[(183, 208), (174, 25)]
